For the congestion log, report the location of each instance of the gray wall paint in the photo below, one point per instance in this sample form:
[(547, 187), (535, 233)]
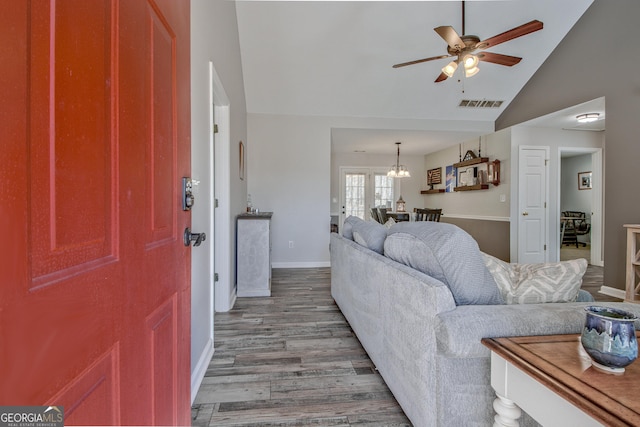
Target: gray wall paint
[(589, 63)]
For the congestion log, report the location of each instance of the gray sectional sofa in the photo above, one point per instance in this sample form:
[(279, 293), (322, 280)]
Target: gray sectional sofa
[(423, 331)]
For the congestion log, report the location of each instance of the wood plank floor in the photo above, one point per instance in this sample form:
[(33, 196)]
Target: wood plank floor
[(291, 359)]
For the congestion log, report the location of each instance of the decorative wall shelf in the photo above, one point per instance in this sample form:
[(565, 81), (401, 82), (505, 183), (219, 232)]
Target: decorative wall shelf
[(434, 191), (491, 174), (472, 187), (471, 162)]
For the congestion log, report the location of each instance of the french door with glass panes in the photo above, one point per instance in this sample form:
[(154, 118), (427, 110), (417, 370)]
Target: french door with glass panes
[(364, 188)]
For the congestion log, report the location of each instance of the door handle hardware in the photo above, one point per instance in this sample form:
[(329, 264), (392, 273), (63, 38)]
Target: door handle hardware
[(525, 213), (196, 238), (188, 199)]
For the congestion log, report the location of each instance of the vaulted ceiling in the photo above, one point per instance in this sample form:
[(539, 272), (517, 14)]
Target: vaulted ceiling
[(334, 58)]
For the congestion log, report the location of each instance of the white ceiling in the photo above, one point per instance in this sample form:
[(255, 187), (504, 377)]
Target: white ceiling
[(334, 58)]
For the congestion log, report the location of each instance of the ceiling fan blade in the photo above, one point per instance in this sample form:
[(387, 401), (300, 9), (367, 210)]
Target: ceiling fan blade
[(498, 58), (418, 61), (450, 36), (513, 33), (442, 77)]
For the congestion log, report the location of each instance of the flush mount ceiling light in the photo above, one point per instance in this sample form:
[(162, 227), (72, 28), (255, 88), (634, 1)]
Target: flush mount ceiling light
[(588, 117), (398, 170)]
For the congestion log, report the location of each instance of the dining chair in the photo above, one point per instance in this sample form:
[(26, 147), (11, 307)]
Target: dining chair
[(382, 214), (374, 214), (428, 214)]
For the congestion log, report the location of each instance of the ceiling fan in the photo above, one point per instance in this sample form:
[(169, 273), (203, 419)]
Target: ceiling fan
[(463, 48)]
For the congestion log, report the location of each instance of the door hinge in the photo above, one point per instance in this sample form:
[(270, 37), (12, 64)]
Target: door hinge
[(546, 162), (545, 247), (215, 277), (545, 205), (215, 128), (215, 203)]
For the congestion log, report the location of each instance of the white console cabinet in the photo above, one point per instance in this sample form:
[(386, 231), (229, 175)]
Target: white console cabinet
[(254, 254)]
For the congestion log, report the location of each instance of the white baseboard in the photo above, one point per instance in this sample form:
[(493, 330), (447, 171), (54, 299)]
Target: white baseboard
[(612, 292), (301, 264), (201, 369)]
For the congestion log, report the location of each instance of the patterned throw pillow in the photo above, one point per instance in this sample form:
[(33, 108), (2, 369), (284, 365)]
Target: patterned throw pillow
[(537, 283), (390, 222)]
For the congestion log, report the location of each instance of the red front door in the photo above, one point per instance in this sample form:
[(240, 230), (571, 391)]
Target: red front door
[(95, 125)]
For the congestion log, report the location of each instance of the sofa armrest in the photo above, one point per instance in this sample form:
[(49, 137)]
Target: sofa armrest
[(458, 332)]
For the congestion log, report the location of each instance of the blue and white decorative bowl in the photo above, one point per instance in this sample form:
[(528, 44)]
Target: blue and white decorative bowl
[(609, 337)]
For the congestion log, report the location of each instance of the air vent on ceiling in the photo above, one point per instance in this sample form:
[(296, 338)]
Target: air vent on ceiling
[(480, 103)]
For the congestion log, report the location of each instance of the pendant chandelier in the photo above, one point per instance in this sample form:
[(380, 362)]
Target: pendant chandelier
[(398, 170)]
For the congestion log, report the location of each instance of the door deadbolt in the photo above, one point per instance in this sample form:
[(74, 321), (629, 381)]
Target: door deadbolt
[(188, 199), (196, 238)]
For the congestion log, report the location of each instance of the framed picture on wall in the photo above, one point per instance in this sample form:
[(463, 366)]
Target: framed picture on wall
[(241, 157), (451, 179), (584, 180)]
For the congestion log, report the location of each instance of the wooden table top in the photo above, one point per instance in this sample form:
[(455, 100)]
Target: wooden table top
[(560, 363)]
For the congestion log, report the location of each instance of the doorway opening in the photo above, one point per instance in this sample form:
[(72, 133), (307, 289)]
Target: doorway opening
[(580, 204)]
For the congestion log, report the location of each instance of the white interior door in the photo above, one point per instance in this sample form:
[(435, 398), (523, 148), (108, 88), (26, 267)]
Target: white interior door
[(532, 205)]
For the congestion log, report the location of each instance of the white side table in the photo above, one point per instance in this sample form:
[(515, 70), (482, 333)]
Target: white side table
[(551, 378)]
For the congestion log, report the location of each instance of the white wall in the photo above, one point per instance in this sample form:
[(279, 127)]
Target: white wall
[(289, 173), (288, 160), (214, 38), (481, 204)]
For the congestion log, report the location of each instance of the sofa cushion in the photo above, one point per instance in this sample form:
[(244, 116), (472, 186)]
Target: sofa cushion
[(347, 227), (370, 234), (537, 283), (447, 253)]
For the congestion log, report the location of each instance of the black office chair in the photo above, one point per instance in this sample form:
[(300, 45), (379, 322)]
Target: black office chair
[(574, 224)]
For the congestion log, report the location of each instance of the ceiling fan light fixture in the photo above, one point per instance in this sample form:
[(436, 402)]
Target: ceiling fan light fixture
[(450, 68), (587, 118), (470, 72), (470, 62)]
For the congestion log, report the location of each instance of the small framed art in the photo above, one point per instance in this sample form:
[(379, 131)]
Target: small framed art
[(241, 156), (451, 178), (584, 180)]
